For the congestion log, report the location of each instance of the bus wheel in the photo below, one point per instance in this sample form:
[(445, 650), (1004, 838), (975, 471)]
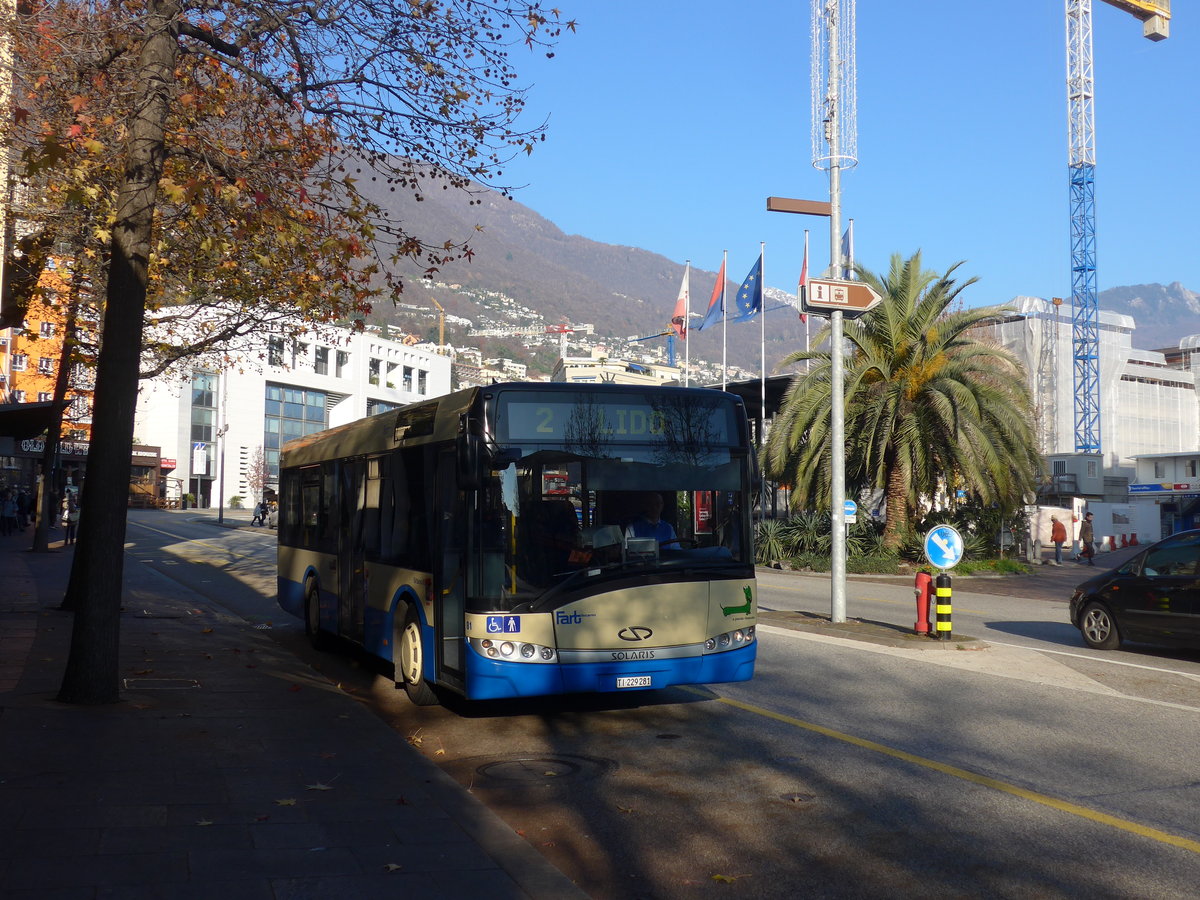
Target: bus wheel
[(312, 618), (409, 664)]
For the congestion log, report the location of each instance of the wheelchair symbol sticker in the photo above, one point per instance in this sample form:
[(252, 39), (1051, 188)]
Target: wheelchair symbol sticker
[(503, 624)]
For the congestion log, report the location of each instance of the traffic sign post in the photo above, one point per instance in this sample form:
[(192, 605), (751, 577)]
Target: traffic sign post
[(944, 549), (853, 298)]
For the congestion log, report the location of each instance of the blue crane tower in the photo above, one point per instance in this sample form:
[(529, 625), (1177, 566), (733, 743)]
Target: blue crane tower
[(1155, 16)]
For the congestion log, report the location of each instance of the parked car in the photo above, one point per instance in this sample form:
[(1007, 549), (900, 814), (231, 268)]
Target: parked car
[(1154, 597)]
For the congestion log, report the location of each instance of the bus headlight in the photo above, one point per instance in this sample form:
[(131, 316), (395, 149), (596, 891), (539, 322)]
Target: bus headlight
[(513, 651), (730, 640)]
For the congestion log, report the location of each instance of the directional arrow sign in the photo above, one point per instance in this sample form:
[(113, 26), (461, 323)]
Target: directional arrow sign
[(943, 546), (853, 298)]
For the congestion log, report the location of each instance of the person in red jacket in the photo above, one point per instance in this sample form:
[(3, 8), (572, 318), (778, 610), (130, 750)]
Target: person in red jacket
[(1058, 535)]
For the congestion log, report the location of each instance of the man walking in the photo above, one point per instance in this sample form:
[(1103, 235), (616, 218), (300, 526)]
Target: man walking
[(1058, 536), (1087, 538)]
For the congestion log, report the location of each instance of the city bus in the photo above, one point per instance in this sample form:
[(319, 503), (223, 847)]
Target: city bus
[(484, 543)]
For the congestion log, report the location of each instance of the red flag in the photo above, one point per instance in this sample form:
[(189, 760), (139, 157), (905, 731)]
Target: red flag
[(803, 285), (679, 319)]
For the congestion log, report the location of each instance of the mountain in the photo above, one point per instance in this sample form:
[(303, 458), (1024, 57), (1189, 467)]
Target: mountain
[(526, 271), (537, 269), (1163, 314)]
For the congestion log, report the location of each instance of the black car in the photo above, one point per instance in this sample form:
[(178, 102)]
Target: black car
[(1154, 597)]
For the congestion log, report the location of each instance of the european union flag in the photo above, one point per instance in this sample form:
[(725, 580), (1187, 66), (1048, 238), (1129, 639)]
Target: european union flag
[(750, 294)]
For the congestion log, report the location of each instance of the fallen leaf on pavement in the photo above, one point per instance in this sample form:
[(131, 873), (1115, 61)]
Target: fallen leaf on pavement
[(290, 801), (318, 787), (392, 867), (203, 822)]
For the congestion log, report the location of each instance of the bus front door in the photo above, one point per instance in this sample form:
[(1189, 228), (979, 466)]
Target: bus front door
[(449, 563)]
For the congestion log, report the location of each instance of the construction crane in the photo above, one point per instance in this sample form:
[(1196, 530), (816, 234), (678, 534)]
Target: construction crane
[(441, 324), (562, 330), (1081, 137)]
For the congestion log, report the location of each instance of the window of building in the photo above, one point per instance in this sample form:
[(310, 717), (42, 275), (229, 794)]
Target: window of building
[(275, 351), (45, 396), (204, 389), (1189, 468), (408, 378), (45, 365), (1160, 468), (343, 360), (290, 413), (47, 329), (373, 367), (299, 352), (19, 362), (79, 408), (18, 396), (1092, 468), (422, 382), (321, 363)]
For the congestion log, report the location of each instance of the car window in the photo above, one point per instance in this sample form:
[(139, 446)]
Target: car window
[(1175, 556)]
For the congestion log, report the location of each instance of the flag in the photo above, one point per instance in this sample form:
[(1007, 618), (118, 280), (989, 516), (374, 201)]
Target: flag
[(716, 304), (750, 294), (679, 319), (802, 286)]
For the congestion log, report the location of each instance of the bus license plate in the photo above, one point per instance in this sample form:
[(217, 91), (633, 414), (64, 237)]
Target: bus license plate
[(632, 681)]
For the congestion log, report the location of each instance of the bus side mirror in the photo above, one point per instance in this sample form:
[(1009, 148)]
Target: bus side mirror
[(471, 456)]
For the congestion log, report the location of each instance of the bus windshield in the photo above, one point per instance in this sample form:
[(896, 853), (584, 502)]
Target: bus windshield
[(579, 494)]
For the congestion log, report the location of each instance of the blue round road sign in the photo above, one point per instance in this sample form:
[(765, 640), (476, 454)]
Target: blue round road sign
[(943, 546), (850, 509)]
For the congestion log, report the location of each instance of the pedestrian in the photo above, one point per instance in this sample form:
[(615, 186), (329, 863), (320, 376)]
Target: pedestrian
[(1087, 538), (24, 508), (1058, 536), (71, 520), (8, 513), (272, 517), (260, 513)]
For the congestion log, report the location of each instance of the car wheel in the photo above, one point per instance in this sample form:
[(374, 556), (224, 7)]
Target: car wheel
[(410, 663), (312, 618), (1099, 628)]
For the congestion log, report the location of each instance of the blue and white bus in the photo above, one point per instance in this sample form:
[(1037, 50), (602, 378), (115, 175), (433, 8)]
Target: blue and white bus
[(485, 542)]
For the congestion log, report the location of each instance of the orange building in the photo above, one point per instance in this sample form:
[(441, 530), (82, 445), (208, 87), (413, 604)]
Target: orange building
[(30, 356)]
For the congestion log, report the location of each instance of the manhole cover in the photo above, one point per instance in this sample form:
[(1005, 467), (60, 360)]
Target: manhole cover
[(544, 769)]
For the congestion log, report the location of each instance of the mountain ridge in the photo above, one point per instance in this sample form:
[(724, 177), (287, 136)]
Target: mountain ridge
[(525, 269)]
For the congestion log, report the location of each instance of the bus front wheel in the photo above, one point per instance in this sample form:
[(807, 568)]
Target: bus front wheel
[(410, 665), (312, 618)]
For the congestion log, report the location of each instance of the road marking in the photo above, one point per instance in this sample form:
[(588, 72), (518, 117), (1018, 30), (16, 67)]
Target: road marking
[(1073, 809), (1098, 659)]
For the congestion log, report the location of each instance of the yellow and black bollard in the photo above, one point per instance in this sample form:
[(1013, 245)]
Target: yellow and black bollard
[(943, 608)]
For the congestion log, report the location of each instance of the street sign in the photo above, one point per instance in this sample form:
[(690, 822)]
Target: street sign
[(850, 510), (853, 298), (943, 546)]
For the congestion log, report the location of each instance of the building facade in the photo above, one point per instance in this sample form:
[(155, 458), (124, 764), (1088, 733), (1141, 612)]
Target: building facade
[(1148, 403), (220, 432)]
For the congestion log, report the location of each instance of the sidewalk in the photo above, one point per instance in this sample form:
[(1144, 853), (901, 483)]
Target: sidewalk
[(229, 769)]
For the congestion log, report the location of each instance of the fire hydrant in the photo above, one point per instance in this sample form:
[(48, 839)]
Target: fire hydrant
[(923, 588)]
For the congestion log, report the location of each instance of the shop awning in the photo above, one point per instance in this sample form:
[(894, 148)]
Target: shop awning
[(26, 420)]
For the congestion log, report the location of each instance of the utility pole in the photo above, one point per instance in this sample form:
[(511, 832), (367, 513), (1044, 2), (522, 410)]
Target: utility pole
[(834, 148)]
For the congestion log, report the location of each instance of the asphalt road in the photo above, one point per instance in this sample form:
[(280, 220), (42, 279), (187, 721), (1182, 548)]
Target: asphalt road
[(1033, 767)]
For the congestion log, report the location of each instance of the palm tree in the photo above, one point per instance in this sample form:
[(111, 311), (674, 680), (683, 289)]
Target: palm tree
[(931, 408)]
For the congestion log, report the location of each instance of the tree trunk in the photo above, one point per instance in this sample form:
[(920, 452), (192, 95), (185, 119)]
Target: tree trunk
[(92, 673), (897, 508)]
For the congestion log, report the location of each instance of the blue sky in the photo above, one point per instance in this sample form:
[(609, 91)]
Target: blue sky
[(671, 123)]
